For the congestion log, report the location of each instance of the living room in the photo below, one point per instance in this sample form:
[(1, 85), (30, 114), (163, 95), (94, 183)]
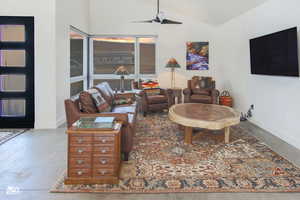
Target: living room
[(226, 28)]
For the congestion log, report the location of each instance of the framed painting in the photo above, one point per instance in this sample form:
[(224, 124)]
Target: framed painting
[(197, 56)]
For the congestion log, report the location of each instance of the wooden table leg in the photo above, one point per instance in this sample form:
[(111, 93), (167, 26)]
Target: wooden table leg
[(188, 134), (227, 134)]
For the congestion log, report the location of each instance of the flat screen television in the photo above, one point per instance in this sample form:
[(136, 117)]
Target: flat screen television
[(275, 54)]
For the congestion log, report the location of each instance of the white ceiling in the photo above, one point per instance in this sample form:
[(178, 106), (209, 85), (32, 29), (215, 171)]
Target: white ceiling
[(213, 12)]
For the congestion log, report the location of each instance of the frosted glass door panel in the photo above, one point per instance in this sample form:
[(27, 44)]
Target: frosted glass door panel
[(12, 107), (12, 33)]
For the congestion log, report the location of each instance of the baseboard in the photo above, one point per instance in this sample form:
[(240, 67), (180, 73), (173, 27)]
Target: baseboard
[(281, 135), (61, 121), (278, 145)]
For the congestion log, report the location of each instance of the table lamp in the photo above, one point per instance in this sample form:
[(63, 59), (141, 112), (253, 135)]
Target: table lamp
[(122, 71), (172, 63)]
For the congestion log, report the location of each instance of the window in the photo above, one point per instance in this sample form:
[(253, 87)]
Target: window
[(137, 54), (78, 62), (109, 53), (147, 55)]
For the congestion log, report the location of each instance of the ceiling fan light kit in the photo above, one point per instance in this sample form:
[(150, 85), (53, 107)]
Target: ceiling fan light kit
[(160, 18)]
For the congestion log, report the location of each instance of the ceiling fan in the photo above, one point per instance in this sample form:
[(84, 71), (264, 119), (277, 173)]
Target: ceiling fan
[(159, 18)]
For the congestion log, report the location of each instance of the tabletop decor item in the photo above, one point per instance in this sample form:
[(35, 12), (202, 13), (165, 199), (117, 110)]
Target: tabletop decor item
[(225, 99), (122, 71), (197, 56), (172, 63)]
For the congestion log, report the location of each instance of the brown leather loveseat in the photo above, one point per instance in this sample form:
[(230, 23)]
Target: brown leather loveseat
[(126, 113)]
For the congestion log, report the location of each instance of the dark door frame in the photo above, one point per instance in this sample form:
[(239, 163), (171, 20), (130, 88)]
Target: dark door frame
[(28, 70)]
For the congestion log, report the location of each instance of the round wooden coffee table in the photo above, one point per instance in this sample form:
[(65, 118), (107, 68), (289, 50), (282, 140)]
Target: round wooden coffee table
[(206, 116)]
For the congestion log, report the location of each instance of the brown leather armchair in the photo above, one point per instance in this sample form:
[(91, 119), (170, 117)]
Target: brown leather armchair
[(201, 90), (155, 99)]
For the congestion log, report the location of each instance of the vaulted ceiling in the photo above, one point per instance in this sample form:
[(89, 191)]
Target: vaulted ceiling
[(213, 12)]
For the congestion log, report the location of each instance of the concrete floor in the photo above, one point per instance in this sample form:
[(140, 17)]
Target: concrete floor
[(34, 160)]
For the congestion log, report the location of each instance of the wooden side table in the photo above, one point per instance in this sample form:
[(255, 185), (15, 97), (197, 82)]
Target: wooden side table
[(177, 93), (94, 155)]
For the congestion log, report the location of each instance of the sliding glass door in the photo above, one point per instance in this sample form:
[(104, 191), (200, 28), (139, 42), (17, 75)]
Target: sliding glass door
[(16, 72)]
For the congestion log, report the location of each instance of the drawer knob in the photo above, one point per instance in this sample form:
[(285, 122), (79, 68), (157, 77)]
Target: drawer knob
[(103, 150), (79, 173), (80, 150), (79, 162), (103, 172), (103, 161), (103, 140), (80, 140)]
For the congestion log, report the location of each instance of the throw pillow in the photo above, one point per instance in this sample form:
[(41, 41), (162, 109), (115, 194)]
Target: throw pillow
[(105, 92), (87, 103), (101, 104)]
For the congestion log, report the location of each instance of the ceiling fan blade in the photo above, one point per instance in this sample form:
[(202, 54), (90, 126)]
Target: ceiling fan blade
[(145, 21), (167, 21), (159, 18)]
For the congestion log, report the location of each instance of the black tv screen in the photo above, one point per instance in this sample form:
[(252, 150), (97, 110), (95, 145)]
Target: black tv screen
[(275, 54)]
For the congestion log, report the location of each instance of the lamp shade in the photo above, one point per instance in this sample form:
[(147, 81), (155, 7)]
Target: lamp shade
[(172, 63), (121, 70)]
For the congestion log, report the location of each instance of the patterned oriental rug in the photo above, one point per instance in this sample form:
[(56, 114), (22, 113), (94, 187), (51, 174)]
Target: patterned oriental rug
[(161, 163), (7, 134)]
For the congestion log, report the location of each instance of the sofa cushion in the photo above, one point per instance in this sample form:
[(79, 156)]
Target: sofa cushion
[(109, 89), (99, 101), (87, 103), (201, 99), (124, 109), (157, 99)]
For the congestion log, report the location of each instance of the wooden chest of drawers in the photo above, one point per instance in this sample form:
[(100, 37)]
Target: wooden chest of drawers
[(94, 156)]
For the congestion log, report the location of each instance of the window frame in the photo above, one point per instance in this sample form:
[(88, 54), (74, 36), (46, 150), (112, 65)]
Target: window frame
[(85, 71), (136, 74)]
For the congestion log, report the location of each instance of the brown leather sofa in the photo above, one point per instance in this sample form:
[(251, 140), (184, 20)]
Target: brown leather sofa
[(126, 113), (155, 99), (201, 90)]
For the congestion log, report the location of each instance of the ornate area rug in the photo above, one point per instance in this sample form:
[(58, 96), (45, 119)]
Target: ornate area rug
[(161, 163), (7, 134)]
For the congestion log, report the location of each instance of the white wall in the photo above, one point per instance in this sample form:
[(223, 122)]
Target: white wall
[(44, 14), (276, 99), (115, 17), (68, 12)]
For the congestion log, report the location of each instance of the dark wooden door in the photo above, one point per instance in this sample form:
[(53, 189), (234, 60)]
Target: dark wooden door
[(16, 72)]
